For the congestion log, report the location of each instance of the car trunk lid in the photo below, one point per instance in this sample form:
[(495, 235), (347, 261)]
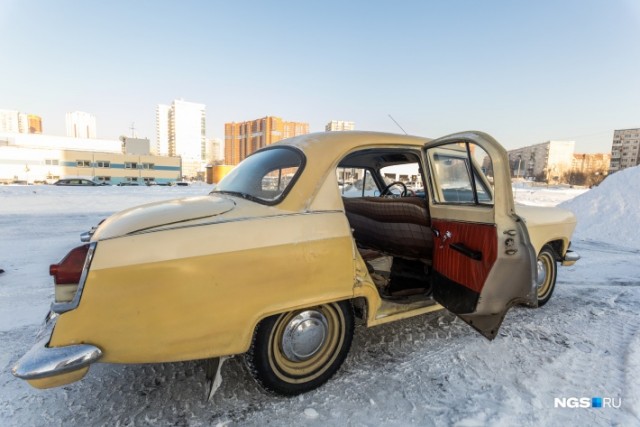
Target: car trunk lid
[(162, 214)]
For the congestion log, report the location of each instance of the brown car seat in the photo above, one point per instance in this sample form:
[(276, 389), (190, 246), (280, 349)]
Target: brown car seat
[(397, 226)]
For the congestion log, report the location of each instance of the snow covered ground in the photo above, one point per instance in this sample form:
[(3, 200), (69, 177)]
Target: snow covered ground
[(429, 371)]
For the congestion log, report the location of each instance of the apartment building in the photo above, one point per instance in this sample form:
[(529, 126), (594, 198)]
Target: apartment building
[(242, 139), (339, 125), (14, 121), (181, 132), (81, 125), (625, 149), (35, 123), (548, 161), (161, 147)]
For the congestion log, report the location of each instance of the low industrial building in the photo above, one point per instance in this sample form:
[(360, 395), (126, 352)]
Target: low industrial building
[(36, 158)]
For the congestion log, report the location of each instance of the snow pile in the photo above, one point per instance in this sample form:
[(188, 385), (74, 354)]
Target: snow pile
[(611, 211), (544, 196)]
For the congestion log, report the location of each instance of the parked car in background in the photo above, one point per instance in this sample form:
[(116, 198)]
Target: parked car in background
[(76, 182), (294, 243)]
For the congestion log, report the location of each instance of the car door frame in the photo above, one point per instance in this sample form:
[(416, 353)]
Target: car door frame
[(510, 278)]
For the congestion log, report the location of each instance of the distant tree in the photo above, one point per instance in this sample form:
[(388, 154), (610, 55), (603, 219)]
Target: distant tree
[(575, 178), (585, 179), (596, 177), (541, 177)]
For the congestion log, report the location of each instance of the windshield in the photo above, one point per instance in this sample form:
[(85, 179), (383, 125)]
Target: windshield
[(265, 177)]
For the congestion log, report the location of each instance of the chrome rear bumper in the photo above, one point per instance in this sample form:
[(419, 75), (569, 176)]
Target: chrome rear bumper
[(43, 362)]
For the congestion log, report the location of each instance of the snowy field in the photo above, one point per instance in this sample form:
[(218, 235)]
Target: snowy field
[(432, 370)]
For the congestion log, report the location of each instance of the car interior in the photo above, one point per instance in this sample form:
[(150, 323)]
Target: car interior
[(385, 203)]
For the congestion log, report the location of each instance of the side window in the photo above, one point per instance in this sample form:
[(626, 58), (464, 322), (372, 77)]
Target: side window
[(356, 182), (461, 174)]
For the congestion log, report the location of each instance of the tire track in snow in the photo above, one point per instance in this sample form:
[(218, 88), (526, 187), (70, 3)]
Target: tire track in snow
[(585, 365), (631, 393)]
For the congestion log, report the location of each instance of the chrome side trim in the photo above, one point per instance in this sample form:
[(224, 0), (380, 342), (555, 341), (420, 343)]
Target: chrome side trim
[(61, 307), (42, 361), (165, 227)]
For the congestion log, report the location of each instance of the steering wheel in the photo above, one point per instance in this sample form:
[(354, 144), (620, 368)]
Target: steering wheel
[(386, 192)]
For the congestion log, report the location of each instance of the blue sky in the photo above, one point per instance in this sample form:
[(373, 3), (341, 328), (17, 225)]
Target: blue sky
[(525, 72)]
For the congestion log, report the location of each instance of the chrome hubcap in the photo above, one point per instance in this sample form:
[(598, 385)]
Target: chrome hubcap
[(304, 335), (542, 274)]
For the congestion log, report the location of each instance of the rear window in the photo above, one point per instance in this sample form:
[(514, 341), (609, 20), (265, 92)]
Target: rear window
[(266, 176)]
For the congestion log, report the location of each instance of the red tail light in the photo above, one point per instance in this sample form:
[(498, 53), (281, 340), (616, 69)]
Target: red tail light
[(69, 270)]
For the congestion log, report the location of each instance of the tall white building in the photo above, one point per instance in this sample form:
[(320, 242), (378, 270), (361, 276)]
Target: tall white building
[(339, 125), (215, 151), (185, 128), (161, 147), (81, 125), (14, 121)]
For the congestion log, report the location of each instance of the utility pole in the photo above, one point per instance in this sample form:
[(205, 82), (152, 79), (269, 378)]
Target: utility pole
[(519, 162)]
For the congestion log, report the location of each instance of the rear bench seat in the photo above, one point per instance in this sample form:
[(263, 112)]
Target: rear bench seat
[(397, 226)]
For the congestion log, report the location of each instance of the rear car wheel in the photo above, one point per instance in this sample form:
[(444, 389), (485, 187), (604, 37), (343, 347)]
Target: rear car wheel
[(298, 351), (547, 273)]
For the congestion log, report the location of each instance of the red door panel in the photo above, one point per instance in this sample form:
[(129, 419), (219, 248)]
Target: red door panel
[(463, 256)]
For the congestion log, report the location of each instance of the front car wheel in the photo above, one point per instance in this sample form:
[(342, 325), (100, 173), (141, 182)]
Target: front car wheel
[(547, 274), (298, 351)]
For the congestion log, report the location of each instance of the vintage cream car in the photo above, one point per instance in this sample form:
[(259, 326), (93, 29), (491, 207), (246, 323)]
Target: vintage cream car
[(291, 246)]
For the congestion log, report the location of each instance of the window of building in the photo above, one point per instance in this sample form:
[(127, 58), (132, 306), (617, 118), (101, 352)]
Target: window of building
[(148, 166), (130, 165), (83, 163), (103, 164), (52, 162), (103, 179), (131, 178)]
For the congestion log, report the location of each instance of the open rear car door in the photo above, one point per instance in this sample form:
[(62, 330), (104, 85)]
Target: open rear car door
[(483, 260)]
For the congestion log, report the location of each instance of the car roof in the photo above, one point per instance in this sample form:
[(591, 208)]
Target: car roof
[(338, 144), (323, 151)]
